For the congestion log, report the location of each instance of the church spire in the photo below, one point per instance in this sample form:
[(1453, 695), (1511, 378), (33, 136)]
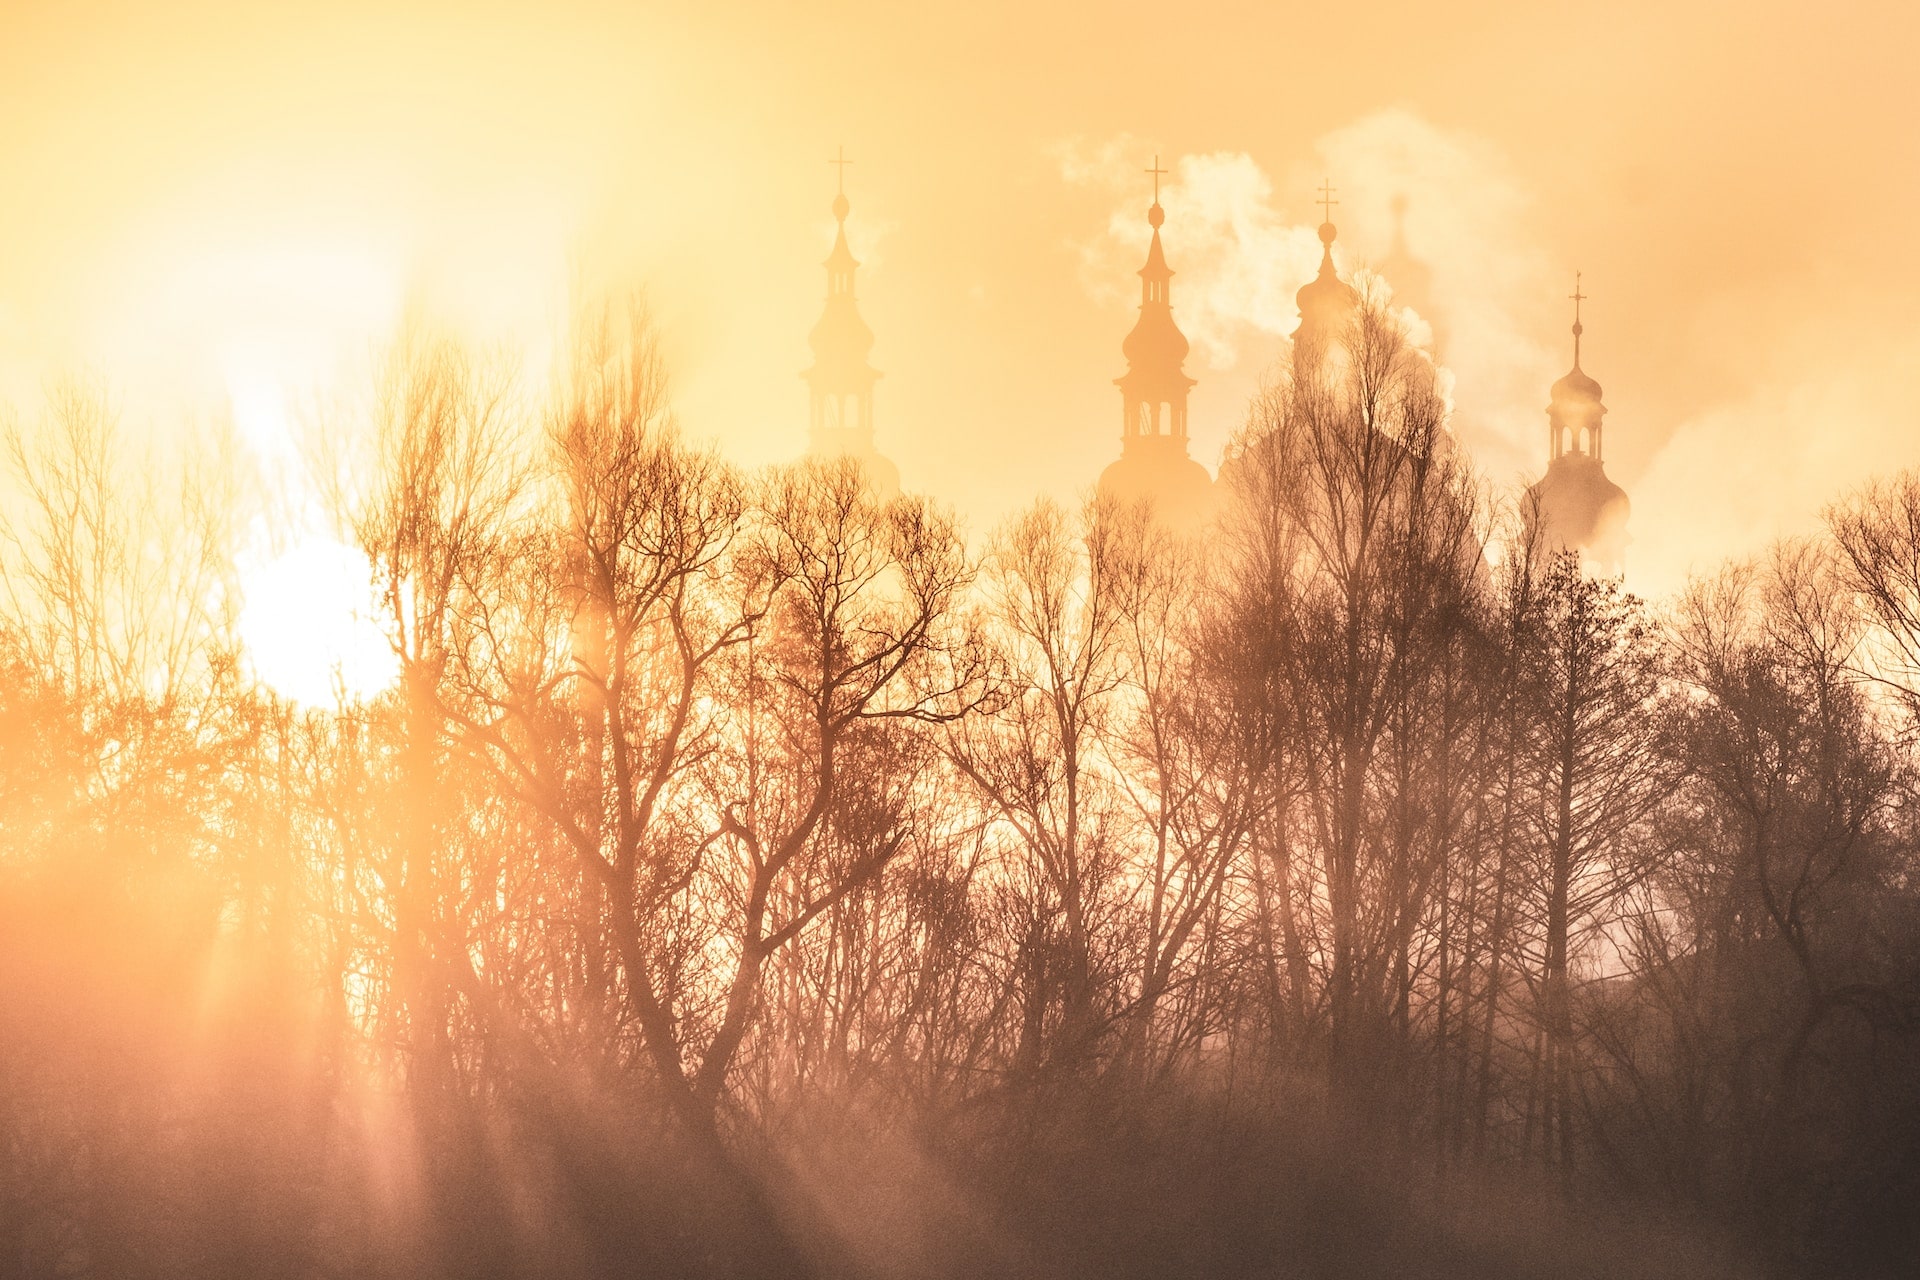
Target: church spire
[(1327, 229), (1574, 413), (1326, 301), (841, 379), (1156, 273), (1154, 388), (1154, 462), (1577, 297), (1575, 506)]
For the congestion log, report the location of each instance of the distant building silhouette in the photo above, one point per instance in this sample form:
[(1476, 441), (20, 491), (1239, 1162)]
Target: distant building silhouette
[(1154, 463), (1327, 303), (841, 379), (1410, 278), (1575, 506)]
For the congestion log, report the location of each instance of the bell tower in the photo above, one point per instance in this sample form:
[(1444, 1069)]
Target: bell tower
[(841, 381), (1154, 462), (1575, 506)]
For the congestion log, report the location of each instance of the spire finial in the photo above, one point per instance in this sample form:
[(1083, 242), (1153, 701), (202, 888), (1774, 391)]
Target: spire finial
[(840, 163), (1327, 231), (1156, 215), (1577, 297)]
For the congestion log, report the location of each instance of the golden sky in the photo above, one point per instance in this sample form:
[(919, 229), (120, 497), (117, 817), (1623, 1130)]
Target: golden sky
[(217, 206)]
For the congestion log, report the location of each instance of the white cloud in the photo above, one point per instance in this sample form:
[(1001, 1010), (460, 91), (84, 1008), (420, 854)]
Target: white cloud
[(1736, 476), (1466, 260)]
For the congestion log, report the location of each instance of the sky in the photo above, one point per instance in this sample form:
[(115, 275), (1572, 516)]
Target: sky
[(218, 208)]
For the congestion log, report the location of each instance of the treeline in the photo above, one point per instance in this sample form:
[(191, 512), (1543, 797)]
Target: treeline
[(746, 876)]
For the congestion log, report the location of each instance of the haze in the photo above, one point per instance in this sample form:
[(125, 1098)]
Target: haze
[(883, 642), (215, 205)]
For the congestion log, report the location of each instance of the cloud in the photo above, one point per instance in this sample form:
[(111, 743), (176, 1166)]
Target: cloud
[(1439, 214), (1740, 474)]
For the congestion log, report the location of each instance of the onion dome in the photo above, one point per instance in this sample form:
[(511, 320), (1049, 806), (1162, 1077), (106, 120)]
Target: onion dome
[(840, 339), (1577, 388), (1574, 408), (1155, 343), (1326, 301)]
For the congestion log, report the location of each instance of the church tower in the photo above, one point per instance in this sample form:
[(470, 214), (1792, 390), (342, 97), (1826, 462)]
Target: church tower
[(1574, 506), (841, 379), (1154, 463)]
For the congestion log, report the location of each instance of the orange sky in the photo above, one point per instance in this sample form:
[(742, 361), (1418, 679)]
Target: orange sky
[(222, 202)]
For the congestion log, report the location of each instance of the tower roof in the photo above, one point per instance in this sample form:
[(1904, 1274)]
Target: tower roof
[(840, 339), (1577, 389), (1577, 506), (841, 380), (1155, 348), (1325, 301)]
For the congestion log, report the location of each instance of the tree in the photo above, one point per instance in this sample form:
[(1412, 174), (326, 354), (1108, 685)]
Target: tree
[(1595, 773)]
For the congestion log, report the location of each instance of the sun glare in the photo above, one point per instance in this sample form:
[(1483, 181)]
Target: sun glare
[(308, 626)]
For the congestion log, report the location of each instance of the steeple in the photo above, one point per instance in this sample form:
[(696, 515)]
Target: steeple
[(1154, 461), (1577, 506), (1574, 411), (1326, 302), (1154, 388), (841, 379)]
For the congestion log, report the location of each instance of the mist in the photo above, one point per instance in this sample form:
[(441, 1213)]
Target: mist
[(863, 643)]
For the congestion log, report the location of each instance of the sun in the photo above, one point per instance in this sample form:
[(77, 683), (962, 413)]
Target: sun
[(309, 627)]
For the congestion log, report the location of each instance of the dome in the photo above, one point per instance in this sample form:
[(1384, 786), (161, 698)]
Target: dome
[(1574, 404), (840, 334), (1155, 340), (1326, 300), (1155, 348), (1577, 388), (1157, 469), (1580, 508)]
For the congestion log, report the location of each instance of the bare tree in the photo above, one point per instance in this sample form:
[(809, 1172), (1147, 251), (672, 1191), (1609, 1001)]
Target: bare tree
[(1595, 773)]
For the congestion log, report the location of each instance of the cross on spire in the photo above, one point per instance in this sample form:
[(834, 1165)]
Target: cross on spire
[(841, 162), (1577, 298), (1157, 173), (1327, 201)]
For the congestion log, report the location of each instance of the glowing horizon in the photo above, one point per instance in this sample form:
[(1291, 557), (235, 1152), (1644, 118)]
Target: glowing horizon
[(317, 185)]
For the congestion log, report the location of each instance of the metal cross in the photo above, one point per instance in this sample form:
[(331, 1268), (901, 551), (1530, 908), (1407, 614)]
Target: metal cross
[(1577, 297), (1157, 173), (1327, 202), (841, 162)]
